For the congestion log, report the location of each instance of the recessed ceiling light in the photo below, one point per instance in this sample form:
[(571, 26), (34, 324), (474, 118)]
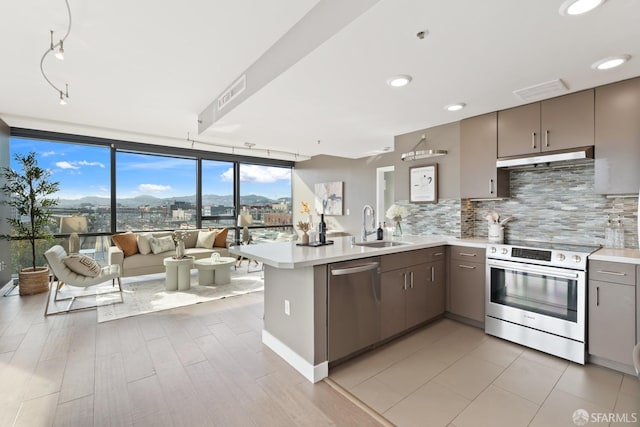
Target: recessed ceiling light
[(399, 80), (610, 62), (578, 7), (455, 107)]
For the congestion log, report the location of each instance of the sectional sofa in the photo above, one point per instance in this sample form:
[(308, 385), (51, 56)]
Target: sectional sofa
[(136, 255)]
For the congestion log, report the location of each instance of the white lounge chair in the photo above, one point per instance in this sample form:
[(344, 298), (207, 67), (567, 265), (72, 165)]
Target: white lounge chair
[(62, 275)]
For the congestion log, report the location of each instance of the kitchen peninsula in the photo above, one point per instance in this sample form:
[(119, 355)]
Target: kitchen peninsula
[(296, 293)]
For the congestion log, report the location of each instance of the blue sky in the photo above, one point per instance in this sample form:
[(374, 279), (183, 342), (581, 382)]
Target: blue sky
[(84, 171)]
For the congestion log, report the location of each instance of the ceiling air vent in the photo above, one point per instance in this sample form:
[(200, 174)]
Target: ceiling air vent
[(236, 89), (542, 91)]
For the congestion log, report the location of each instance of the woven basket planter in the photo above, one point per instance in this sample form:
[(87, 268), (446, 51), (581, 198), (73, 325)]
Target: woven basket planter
[(33, 282)]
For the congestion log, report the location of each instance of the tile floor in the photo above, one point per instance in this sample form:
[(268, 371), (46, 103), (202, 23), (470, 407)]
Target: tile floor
[(450, 374)]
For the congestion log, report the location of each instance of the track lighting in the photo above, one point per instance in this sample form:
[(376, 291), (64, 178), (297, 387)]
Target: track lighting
[(249, 148), (58, 49), (58, 52)]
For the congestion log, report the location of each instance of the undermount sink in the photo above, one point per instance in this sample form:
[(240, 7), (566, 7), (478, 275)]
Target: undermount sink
[(380, 244)]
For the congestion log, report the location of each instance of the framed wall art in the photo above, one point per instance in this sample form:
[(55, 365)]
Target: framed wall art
[(329, 198), (423, 184)]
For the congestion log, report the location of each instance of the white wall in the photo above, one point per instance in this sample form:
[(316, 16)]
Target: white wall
[(359, 175), (359, 188)]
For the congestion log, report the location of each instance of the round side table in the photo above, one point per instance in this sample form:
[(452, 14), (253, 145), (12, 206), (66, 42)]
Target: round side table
[(212, 272), (178, 273)]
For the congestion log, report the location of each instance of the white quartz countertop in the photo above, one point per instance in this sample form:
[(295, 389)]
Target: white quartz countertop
[(629, 256), (289, 256)]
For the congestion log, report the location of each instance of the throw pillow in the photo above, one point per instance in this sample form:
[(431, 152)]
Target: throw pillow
[(206, 239), (190, 238), (161, 244), (82, 265), (221, 237), (144, 247), (126, 242)]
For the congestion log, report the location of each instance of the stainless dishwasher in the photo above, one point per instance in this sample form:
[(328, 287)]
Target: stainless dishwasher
[(354, 306)]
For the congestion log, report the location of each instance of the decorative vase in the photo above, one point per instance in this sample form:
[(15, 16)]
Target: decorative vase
[(305, 238), (180, 249), (397, 231)]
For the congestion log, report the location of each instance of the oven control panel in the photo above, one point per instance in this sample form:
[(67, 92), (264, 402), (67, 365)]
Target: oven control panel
[(536, 254), (549, 257)]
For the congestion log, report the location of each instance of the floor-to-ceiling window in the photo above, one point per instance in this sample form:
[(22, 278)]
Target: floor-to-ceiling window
[(84, 198), (218, 194), (265, 193), (155, 192), (109, 186)]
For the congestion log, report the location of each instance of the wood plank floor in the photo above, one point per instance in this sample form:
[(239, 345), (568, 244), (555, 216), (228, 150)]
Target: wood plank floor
[(202, 365)]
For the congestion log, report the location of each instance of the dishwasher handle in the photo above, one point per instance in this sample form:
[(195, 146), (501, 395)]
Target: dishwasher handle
[(353, 270)]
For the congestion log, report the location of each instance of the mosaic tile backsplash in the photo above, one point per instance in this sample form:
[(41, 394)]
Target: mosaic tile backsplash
[(442, 218), (547, 204)]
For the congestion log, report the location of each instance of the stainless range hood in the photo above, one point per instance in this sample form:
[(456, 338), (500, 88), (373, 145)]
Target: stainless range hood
[(548, 157)]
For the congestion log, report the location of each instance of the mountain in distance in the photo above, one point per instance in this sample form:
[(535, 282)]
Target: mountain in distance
[(144, 200)]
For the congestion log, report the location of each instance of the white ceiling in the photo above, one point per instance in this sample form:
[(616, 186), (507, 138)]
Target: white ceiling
[(143, 70)]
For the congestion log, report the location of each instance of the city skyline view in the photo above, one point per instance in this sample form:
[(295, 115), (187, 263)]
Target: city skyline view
[(84, 171)]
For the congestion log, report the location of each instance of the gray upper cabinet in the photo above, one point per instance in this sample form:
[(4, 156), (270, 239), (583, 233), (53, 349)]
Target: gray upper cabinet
[(554, 124), (567, 121), (479, 177), (617, 141), (519, 130)]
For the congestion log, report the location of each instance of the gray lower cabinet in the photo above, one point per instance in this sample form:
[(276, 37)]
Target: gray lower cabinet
[(467, 282), (436, 288), (617, 141), (412, 293), (612, 311)]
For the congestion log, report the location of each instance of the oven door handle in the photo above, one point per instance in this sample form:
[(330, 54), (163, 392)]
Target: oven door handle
[(530, 269), (548, 273)]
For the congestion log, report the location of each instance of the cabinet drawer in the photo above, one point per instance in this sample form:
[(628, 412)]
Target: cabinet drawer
[(614, 272), (467, 254), (404, 259), (434, 254)]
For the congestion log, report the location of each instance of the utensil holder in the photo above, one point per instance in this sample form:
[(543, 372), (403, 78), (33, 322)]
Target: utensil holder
[(496, 233)]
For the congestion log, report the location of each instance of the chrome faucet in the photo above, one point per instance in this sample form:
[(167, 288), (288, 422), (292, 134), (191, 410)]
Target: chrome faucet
[(365, 232)]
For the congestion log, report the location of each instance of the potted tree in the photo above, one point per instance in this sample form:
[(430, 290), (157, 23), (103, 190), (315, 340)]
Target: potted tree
[(28, 194)]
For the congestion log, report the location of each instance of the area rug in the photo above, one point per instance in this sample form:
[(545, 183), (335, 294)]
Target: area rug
[(147, 294)]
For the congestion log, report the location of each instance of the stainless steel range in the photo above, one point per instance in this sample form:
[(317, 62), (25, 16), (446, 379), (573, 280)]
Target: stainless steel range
[(536, 296)]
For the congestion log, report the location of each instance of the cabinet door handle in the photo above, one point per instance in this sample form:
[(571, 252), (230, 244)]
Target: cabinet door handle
[(533, 140), (411, 273), (491, 186), (438, 254), (546, 137), (612, 273), (465, 254), (405, 281), (597, 296), (468, 267), (433, 274)]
